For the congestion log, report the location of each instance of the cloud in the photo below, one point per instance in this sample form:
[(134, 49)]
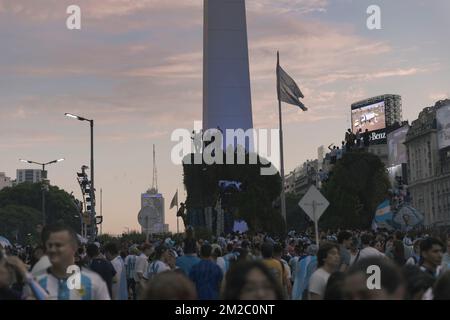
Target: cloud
[(436, 96)]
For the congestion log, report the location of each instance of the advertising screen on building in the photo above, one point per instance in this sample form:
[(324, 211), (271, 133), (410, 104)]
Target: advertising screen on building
[(397, 150), (443, 126), (371, 117)]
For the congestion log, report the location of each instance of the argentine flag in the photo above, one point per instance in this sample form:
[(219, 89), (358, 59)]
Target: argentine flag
[(383, 215)]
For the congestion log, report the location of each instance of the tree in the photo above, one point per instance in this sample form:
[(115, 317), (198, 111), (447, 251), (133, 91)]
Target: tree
[(358, 183), (18, 223), (24, 201)]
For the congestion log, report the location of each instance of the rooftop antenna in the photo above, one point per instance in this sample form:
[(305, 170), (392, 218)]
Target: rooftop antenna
[(155, 173)]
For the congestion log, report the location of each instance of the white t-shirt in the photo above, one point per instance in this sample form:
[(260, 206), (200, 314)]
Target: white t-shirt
[(318, 282), (154, 268), (370, 252), (141, 266), (118, 266)]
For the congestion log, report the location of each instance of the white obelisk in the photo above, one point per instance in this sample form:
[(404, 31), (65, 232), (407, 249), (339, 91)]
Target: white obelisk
[(226, 77)]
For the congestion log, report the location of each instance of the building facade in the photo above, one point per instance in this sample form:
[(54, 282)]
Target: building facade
[(5, 181), (298, 181), (152, 215), (429, 167), (29, 175)]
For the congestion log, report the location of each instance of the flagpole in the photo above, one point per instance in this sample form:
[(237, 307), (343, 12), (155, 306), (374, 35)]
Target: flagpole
[(178, 228), (283, 198)]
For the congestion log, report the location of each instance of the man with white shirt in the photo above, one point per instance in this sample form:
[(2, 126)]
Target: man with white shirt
[(61, 246), (368, 250), (119, 285), (328, 260), (141, 266)]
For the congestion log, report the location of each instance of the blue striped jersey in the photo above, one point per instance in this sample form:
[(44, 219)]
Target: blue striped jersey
[(92, 287)]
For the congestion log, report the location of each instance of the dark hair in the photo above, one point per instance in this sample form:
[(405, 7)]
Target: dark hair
[(343, 235), (441, 289), (190, 246), (322, 253), (416, 280), (428, 243), (399, 252), (391, 275), (236, 278), (48, 230), (267, 250), (205, 250), (277, 249), (92, 250), (111, 248), (366, 239), (159, 250), (335, 287)]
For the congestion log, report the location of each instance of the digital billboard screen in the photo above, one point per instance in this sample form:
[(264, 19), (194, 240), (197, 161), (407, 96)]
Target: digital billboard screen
[(371, 117)]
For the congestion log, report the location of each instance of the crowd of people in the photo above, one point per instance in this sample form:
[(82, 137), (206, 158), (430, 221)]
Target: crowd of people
[(231, 267)]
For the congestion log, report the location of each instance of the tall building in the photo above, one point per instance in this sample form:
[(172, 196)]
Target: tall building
[(428, 149), (153, 214), (226, 77), (5, 181), (30, 175), (377, 115), (151, 217)]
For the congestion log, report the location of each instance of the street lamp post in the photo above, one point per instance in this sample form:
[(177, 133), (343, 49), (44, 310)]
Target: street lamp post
[(92, 191), (43, 178)]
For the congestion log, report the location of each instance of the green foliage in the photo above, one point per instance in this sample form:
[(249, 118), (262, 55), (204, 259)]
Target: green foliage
[(358, 184), (297, 219), (21, 208), (253, 204), (19, 222)]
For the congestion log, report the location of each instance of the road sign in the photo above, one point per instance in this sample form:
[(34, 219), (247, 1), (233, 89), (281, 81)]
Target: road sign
[(314, 204)]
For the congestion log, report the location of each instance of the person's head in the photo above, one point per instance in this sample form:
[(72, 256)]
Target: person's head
[(169, 285), (374, 271), (379, 246), (190, 246), (38, 252), (146, 249), (431, 250), (251, 280), (417, 282), (111, 250), (92, 250), (366, 240), (205, 251), (61, 245), (162, 253), (267, 250), (277, 250), (441, 289), (328, 255), (344, 239), (335, 287)]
